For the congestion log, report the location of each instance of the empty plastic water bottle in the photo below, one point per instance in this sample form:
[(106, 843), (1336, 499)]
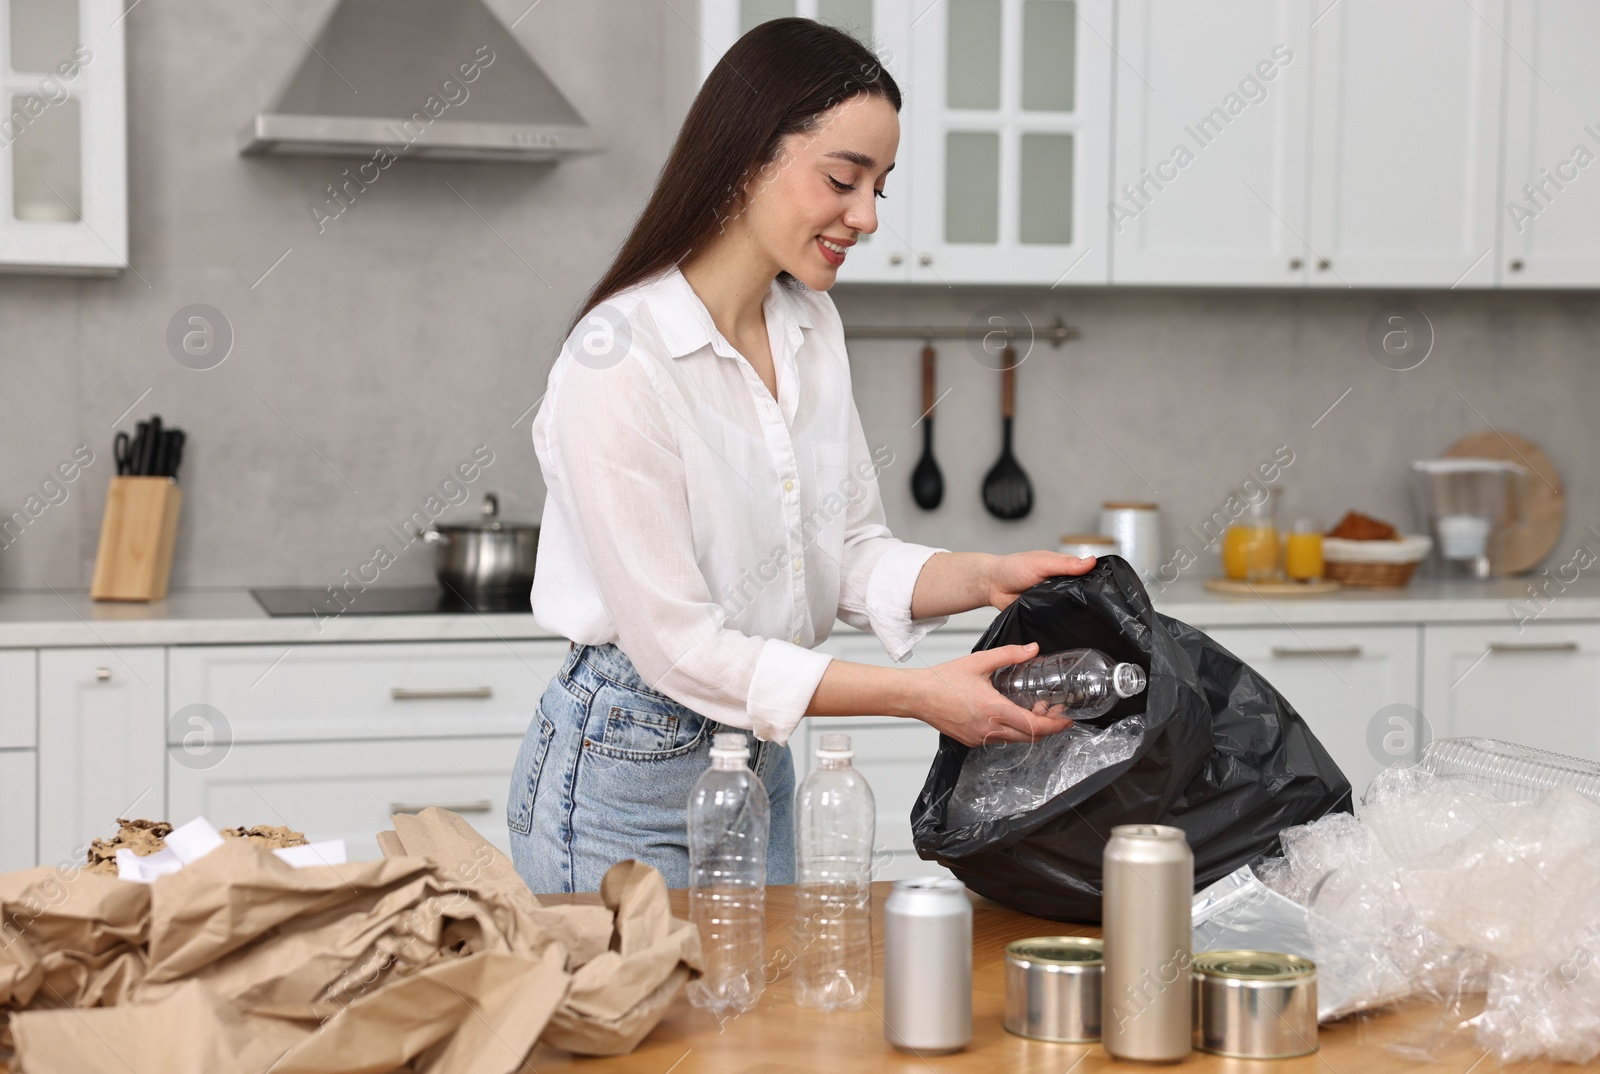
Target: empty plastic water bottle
[(728, 826), (833, 833), (1086, 681)]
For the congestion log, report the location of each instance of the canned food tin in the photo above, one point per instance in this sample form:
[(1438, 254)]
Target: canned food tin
[(927, 965), (1255, 1004), (1053, 988)]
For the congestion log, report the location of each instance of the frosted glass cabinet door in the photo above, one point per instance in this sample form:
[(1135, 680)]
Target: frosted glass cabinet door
[(884, 255), (1010, 110), (1406, 142), (63, 136), (1550, 217), (1211, 126)]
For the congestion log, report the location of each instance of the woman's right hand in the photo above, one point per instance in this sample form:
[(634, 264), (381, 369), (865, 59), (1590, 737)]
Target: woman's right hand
[(960, 701)]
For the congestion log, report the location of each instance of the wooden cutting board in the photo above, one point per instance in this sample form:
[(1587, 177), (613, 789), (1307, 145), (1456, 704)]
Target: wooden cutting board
[(1544, 499)]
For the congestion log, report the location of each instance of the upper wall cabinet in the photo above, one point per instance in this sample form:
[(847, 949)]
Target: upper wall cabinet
[(63, 136), (1210, 176), (1405, 142), (1550, 215), (1005, 133)]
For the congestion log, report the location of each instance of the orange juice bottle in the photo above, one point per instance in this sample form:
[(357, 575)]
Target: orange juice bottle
[(1250, 552)]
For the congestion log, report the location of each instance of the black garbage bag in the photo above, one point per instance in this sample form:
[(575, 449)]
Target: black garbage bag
[(1224, 757)]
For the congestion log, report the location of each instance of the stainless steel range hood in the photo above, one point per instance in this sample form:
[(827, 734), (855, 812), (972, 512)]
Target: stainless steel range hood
[(430, 79)]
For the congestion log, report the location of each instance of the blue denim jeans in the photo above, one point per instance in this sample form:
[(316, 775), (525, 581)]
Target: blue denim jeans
[(604, 774)]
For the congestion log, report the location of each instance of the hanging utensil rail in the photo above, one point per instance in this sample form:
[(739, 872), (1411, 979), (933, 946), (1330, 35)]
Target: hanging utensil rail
[(1055, 333)]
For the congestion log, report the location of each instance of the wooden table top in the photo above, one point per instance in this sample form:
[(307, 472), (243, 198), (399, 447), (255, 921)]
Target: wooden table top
[(778, 1037)]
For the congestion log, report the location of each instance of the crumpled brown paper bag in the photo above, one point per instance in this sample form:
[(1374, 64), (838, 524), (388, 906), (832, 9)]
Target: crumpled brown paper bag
[(436, 956)]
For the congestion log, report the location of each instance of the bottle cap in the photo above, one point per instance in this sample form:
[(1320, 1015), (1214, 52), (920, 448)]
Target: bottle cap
[(730, 744), (835, 746), (1127, 679)]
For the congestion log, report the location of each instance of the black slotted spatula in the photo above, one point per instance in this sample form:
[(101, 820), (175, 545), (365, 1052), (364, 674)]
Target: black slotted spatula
[(1007, 493)]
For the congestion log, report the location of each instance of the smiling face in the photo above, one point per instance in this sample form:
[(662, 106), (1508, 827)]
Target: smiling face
[(807, 208)]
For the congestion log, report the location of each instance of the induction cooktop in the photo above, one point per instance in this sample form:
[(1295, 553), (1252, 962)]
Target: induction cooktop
[(392, 600)]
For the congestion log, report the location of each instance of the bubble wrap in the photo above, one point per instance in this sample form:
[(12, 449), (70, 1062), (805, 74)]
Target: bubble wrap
[(1005, 779), (1460, 892)]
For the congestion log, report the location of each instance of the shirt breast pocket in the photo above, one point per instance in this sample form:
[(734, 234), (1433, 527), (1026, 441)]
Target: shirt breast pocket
[(834, 489)]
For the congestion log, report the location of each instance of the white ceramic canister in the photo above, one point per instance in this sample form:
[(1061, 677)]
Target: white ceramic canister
[(1137, 529), (1084, 545)]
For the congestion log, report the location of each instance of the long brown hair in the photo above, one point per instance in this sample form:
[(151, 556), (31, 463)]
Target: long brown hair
[(776, 80)]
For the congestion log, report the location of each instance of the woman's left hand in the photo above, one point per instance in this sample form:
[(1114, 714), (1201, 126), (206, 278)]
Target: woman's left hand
[(1011, 576)]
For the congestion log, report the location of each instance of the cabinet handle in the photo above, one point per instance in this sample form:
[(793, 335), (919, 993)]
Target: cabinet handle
[(470, 693), (926, 259), (1341, 650), (103, 674), (482, 805), (1533, 647), (1294, 264), (1323, 265), (1516, 265), (895, 259)]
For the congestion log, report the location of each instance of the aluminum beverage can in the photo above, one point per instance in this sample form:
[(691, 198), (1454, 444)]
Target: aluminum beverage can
[(1145, 910), (927, 965)]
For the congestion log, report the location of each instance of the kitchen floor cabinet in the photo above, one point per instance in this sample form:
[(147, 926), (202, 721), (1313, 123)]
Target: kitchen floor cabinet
[(63, 136), (349, 790), (1550, 218), (1355, 686), (19, 698), (1210, 144), (19, 803), (1539, 686), (1405, 143), (102, 729)]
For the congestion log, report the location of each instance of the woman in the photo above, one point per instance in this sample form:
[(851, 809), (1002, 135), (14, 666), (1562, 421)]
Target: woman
[(713, 504)]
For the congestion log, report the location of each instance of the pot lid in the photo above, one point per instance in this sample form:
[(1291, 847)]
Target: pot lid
[(490, 519)]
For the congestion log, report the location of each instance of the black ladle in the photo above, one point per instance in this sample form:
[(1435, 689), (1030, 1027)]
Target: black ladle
[(927, 483), (1006, 491)]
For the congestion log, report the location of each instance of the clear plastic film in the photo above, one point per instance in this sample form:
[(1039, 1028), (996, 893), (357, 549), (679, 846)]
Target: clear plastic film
[(1006, 779), (1476, 871)]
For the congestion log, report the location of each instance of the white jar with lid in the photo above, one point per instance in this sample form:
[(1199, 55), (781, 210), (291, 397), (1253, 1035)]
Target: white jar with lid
[(1085, 545), (1137, 529)]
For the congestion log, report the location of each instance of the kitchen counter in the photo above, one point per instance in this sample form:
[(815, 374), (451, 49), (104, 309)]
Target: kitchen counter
[(780, 1038), (68, 618)]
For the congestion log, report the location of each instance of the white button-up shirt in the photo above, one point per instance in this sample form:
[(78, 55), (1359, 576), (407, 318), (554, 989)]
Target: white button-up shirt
[(712, 532)]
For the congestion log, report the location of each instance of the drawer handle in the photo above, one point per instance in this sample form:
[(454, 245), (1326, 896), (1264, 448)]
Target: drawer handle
[(1341, 650), (482, 805), (102, 674), (471, 693), (1533, 647)]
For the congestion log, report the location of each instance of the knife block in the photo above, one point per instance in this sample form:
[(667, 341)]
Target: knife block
[(136, 539)]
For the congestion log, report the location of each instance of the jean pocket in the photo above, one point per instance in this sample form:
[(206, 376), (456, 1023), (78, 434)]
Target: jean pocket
[(630, 725), (525, 774)]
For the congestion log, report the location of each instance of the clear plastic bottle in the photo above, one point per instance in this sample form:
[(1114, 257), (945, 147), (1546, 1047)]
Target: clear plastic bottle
[(1086, 681), (834, 823), (729, 817)]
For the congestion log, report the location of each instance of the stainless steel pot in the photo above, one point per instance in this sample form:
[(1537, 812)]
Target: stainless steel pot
[(486, 554)]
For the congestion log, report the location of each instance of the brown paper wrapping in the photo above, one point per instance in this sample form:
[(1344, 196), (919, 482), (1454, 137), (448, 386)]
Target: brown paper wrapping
[(436, 958)]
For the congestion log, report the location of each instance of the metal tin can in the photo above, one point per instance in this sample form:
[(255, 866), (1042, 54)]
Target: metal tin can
[(1255, 1004), (927, 965), (1053, 988), (1148, 885)]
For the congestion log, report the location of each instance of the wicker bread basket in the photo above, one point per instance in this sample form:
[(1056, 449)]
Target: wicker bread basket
[(1375, 564)]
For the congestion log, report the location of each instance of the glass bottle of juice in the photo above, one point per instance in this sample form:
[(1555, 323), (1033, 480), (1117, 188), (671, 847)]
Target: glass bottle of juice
[(1250, 547)]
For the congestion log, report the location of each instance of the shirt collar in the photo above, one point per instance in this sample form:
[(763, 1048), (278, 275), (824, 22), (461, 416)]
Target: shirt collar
[(685, 324)]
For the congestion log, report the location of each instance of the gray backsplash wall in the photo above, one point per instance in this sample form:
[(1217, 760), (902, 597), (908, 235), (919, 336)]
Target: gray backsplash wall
[(379, 354)]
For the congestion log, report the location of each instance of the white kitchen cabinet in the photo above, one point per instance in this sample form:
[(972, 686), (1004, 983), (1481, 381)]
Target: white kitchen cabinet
[(1211, 140), (276, 693), (1010, 122), (19, 698), (1355, 686), (1550, 219), (19, 821), (1538, 686), (63, 136), (101, 735), (884, 26), (1404, 171), (349, 790)]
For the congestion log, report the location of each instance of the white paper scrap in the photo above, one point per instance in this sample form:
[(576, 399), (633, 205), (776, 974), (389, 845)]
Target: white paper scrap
[(194, 840), (330, 852), (145, 870)]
